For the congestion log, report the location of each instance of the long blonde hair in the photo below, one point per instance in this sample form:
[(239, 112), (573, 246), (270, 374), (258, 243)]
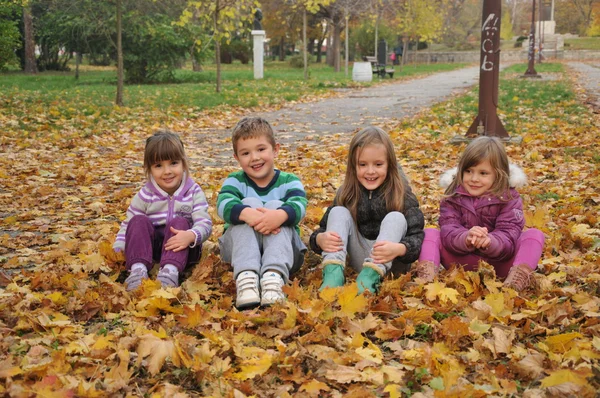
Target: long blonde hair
[(479, 150), (394, 185)]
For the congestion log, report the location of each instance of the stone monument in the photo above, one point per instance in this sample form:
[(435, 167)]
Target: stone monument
[(258, 35)]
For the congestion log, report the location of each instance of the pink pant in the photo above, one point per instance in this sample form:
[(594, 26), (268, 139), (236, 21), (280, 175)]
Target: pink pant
[(529, 251)]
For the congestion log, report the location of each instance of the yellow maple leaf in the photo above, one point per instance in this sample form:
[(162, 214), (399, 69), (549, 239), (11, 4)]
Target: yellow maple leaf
[(565, 376), (350, 301), (254, 367), (290, 316), (496, 303), (537, 219), (7, 369), (561, 343), (314, 387), (439, 290), (394, 390)]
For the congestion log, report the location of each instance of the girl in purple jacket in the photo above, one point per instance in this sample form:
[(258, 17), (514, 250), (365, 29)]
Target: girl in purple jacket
[(167, 220), (481, 218)]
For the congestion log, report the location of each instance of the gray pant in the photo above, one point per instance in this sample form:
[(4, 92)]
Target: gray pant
[(248, 250), (393, 229)]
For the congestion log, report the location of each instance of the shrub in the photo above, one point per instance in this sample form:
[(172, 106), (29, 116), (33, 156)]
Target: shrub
[(297, 61)]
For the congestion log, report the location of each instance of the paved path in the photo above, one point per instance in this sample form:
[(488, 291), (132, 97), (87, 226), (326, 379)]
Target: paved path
[(368, 106), (590, 79), (315, 121)]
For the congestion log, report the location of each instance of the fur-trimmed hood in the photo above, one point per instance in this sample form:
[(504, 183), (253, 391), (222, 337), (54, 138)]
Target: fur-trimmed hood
[(517, 177)]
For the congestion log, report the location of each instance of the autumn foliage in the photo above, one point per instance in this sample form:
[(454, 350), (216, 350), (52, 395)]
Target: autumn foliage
[(68, 328)]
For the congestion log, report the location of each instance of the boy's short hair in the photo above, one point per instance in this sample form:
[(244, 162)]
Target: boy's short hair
[(252, 127), (164, 144)]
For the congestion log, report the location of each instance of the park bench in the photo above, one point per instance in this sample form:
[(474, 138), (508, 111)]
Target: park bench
[(379, 69)]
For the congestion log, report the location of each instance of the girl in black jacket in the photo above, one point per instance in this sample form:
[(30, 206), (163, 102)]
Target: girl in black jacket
[(375, 217)]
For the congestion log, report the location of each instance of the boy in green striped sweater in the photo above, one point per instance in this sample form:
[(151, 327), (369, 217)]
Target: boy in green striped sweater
[(262, 207)]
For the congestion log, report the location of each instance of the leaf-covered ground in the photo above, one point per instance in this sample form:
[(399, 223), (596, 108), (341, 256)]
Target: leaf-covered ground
[(69, 328)]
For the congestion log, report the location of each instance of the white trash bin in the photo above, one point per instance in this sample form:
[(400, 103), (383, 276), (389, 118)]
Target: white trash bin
[(362, 72)]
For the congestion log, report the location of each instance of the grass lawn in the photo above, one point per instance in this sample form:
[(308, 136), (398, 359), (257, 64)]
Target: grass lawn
[(582, 43), (514, 92)]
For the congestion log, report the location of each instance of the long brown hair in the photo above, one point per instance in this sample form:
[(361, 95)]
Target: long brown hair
[(164, 144), (479, 150), (394, 185)]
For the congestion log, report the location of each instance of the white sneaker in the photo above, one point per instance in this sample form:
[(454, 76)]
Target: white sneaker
[(270, 286), (247, 290)]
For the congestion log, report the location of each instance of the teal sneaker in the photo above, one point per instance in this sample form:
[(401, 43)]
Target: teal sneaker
[(368, 279), (333, 275)]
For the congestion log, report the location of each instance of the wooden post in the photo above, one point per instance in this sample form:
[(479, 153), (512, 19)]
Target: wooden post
[(487, 121)]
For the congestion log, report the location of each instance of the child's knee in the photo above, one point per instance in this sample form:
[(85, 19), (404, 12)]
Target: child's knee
[(179, 223), (396, 217), (273, 204), (340, 212), (534, 234), (139, 220), (255, 203)]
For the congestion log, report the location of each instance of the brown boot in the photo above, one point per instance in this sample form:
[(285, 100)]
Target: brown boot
[(518, 277), (425, 270)]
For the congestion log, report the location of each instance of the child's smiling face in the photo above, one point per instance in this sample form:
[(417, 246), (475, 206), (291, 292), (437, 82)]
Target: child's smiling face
[(256, 156), (372, 166), (168, 174), (478, 180)]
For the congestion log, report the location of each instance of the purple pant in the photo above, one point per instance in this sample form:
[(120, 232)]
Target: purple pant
[(529, 251), (144, 243)]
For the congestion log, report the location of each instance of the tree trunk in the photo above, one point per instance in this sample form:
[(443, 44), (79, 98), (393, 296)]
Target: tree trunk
[(346, 48), (119, 99), (78, 57), (196, 66), (217, 47), (282, 49), (319, 48), (330, 45), (337, 33), (304, 44), (376, 33), (405, 51), (29, 45)]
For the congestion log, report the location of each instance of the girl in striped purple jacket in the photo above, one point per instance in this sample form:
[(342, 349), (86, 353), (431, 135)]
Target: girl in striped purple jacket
[(167, 220)]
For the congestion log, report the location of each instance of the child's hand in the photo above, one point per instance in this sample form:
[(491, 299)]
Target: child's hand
[(330, 242), (385, 251), (474, 234), (180, 240), (251, 216), (482, 243), (270, 221)]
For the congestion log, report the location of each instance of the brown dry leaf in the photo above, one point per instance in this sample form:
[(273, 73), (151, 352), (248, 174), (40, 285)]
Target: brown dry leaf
[(156, 351)]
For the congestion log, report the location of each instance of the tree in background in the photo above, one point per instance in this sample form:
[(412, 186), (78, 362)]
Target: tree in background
[(28, 39), (282, 24), (419, 20), (9, 34), (364, 34), (506, 28), (462, 24), (225, 18)]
